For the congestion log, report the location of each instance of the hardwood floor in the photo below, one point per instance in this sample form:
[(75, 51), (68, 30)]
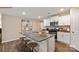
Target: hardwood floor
[(13, 46), (18, 46), (62, 47)]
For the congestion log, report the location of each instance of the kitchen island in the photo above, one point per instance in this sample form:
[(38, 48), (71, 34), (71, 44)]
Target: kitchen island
[(45, 43)]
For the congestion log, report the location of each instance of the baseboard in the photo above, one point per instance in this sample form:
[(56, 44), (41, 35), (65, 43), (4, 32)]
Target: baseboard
[(73, 46), (63, 43), (10, 40)]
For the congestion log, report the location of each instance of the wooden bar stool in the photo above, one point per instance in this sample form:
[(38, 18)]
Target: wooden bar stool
[(22, 38), (32, 46), (25, 42)]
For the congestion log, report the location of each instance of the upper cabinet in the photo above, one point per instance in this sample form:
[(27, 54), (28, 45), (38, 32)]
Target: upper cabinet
[(64, 20), (54, 19), (46, 22), (60, 20)]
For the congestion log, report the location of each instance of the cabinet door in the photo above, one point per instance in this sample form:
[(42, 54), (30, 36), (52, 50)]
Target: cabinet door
[(67, 38), (51, 44), (63, 37), (46, 22), (75, 28), (60, 36), (67, 22), (61, 20), (64, 20), (54, 19), (43, 46)]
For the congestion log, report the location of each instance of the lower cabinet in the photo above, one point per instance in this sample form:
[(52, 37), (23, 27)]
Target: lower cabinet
[(47, 45), (63, 37)]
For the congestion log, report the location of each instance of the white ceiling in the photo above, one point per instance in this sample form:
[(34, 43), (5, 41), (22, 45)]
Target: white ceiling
[(32, 12)]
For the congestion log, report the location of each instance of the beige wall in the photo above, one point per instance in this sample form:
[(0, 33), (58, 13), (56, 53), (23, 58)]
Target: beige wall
[(0, 21), (11, 26)]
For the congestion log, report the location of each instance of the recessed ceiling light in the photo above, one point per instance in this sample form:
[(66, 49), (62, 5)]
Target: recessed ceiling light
[(61, 9), (23, 13), (39, 17)]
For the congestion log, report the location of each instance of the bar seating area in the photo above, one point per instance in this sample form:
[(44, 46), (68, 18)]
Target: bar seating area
[(28, 45)]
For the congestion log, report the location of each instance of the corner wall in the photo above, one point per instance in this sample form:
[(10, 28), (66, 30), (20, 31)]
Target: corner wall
[(11, 26)]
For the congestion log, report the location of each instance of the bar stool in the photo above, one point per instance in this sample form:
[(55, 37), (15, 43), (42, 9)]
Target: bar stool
[(22, 38), (32, 46), (25, 42), (26, 49)]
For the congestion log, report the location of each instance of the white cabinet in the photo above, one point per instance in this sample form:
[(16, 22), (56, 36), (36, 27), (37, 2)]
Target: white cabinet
[(60, 36), (51, 44), (74, 12), (63, 37), (46, 22), (67, 38), (47, 45), (54, 19), (64, 20)]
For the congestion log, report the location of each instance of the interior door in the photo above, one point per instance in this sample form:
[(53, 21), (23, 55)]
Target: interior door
[(36, 25), (75, 28)]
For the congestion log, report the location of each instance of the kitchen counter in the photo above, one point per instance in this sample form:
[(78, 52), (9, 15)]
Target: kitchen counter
[(63, 37), (64, 31), (45, 43), (36, 37)]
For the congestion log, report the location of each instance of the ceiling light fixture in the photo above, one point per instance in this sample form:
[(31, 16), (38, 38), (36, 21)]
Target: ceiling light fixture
[(61, 9), (39, 17), (23, 13)]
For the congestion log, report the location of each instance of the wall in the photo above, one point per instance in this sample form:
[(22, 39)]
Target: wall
[(0, 21), (11, 26)]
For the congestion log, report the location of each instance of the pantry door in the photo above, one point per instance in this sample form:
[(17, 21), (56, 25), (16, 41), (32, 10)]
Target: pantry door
[(74, 14)]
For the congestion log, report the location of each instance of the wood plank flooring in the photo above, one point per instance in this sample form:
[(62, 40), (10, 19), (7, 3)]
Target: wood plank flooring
[(62, 47), (13, 46), (18, 46)]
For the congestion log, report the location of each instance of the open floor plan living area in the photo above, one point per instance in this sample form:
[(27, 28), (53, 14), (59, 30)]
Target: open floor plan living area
[(39, 29)]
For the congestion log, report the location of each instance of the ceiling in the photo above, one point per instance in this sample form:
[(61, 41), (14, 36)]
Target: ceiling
[(32, 12)]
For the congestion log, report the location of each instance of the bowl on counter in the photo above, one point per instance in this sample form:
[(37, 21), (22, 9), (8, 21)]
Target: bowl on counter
[(43, 33)]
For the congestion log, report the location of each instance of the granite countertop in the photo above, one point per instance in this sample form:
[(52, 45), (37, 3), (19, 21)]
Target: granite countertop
[(36, 37), (64, 31)]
